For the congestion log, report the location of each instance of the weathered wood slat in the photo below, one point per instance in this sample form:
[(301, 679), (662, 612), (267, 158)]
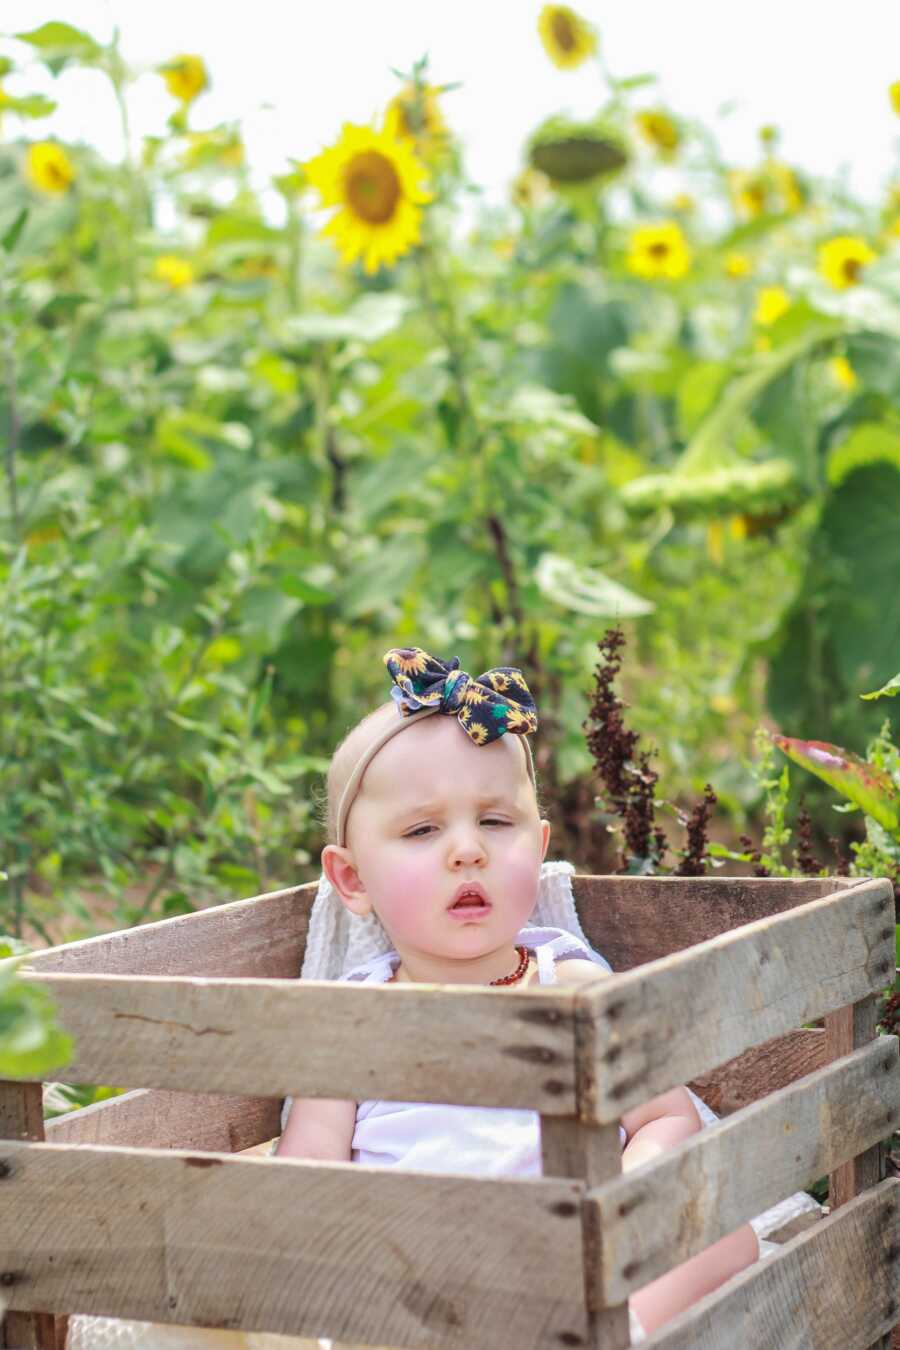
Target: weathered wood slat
[(592, 1154), (22, 1117), (497, 1047), (147, 1118), (669, 1021), (763, 1069), (263, 937), (662, 1214), (834, 1288), (288, 1246), (631, 920), (845, 1030)]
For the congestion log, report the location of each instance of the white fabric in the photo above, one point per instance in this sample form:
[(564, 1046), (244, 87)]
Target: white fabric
[(463, 1140), (338, 941)]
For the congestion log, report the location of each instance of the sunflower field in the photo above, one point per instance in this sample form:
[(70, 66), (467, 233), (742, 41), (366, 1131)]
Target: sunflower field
[(245, 451)]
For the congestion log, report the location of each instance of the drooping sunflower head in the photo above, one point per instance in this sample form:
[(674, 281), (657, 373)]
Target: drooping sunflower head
[(843, 260), (379, 187), (567, 39), (48, 168), (570, 153), (658, 252), (185, 77)]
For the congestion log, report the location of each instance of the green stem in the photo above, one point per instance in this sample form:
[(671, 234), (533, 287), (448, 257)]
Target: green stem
[(294, 230), (117, 75)]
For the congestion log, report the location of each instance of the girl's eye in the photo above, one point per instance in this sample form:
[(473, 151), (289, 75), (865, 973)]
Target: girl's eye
[(421, 830)]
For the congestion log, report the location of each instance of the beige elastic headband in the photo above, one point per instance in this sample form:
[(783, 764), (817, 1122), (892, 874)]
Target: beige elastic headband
[(349, 795)]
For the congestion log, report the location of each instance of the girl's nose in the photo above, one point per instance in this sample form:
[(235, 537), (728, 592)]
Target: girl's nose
[(466, 849)]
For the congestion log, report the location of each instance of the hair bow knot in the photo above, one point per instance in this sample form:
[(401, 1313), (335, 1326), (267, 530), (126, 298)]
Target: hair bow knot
[(486, 706)]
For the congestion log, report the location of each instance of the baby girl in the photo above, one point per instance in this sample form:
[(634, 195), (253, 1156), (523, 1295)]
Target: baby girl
[(436, 834)]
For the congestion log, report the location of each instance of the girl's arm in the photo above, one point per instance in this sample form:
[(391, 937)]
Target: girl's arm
[(658, 1125), (319, 1128), (656, 1303)]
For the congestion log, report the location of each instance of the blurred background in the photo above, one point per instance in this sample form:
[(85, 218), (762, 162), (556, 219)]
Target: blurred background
[(565, 338)]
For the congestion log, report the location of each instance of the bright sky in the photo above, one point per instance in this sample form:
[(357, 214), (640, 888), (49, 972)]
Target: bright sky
[(292, 73)]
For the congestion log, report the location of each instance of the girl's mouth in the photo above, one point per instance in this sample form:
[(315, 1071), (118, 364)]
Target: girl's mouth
[(470, 902)]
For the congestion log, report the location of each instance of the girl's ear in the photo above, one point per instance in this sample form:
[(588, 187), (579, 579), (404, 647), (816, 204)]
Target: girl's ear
[(340, 869), (545, 838)]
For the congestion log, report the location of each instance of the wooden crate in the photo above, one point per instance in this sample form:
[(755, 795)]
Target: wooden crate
[(138, 1207)]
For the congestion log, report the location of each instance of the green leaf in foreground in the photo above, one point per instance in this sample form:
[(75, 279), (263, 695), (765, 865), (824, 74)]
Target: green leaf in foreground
[(862, 783), (31, 1044)]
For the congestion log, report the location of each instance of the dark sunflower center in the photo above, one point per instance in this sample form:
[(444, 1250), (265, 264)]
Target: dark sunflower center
[(56, 175), (852, 269), (563, 31), (373, 188), (658, 250)]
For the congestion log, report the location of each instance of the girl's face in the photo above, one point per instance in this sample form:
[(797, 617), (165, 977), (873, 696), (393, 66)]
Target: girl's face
[(437, 812)]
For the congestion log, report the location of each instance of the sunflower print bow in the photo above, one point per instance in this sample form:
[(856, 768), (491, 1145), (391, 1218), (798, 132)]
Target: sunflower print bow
[(486, 706)]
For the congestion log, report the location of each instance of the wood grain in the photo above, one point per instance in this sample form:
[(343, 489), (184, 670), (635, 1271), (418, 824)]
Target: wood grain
[(149, 1118), (295, 1247), (416, 1042), (664, 1023), (667, 1211), (834, 1288)]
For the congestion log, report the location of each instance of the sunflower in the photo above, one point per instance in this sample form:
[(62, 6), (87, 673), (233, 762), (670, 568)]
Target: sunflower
[(475, 694), (749, 193), (518, 717), (842, 260), (737, 265), (176, 272), (419, 118), (378, 183), (500, 681), (409, 660), (658, 251), (48, 167), (771, 303), (477, 732), (894, 92), (787, 186), (185, 77), (659, 129), (567, 39), (530, 188)]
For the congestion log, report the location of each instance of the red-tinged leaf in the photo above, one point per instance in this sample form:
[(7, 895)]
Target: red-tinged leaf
[(863, 784)]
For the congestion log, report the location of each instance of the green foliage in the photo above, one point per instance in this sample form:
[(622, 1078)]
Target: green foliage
[(234, 474), (31, 1043)]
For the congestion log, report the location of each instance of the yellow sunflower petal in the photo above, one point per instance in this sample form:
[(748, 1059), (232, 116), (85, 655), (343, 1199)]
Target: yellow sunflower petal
[(378, 185), (842, 260), (658, 252), (48, 168)]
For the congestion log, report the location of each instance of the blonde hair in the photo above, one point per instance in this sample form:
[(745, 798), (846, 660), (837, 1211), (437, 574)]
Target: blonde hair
[(347, 755)]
